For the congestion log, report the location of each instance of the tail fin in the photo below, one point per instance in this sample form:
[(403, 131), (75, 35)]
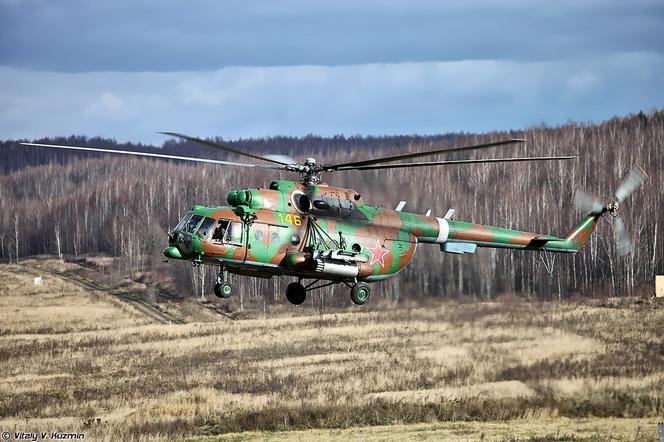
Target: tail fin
[(578, 236)]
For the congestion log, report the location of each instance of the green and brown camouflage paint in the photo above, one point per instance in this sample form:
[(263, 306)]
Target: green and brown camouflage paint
[(384, 241)]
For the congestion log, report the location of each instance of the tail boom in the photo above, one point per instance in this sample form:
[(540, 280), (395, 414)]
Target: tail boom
[(461, 232)]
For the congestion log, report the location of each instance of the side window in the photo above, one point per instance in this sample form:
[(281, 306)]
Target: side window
[(220, 231), (228, 232), (258, 230), (206, 227), (234, 233), (277, 234)]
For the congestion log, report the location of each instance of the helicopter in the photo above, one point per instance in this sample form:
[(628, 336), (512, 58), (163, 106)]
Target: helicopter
[(329, 235)]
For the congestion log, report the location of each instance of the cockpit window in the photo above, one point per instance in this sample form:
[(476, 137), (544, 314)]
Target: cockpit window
[(234, 234), (206, 228), (193, 223), (228, 232), (183, 221), (220, 231)]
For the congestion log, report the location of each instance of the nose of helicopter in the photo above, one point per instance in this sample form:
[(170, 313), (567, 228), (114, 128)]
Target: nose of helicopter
[(173, 252), (179, 245)]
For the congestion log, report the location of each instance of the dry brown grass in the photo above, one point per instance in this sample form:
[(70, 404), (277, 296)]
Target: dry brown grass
[(540, 430), (67, 355), (57, 306)]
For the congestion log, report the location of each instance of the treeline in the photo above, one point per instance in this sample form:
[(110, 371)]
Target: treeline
[(69, 203)]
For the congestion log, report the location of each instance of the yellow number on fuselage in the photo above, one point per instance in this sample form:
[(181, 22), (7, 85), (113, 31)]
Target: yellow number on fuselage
[(290, 219)]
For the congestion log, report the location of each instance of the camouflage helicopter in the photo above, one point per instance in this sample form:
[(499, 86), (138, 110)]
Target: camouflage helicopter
[(310, 230)]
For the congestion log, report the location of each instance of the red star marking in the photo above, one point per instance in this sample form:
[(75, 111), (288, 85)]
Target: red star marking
[(378, 254)]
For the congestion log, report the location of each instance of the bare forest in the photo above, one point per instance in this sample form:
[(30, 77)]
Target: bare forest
[(71, 205)]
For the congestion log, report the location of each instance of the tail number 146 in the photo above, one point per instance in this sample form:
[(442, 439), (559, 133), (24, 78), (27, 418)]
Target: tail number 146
[(295, 220)]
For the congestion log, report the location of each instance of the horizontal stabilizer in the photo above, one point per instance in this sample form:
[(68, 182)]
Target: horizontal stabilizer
[(458, 248)]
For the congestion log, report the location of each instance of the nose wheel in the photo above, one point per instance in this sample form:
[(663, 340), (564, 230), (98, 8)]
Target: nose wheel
[(222, 289)]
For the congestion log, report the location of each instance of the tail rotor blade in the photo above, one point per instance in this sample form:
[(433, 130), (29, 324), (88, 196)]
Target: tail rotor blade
[(623, 244), (634, 179), (587, 202)]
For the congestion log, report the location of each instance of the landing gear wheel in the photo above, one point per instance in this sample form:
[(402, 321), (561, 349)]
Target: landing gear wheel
[(296, 293), (223, 289), (360, 293)]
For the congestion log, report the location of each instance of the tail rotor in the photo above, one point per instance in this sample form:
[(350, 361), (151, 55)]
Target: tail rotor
[(584, 201), (623, 243), (587, 202), (634, 179)]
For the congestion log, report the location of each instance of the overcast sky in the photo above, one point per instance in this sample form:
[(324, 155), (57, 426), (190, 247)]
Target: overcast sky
[(256, 68)]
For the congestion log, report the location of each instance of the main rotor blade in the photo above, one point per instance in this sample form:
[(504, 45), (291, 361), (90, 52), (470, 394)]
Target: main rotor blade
[(587, 202), (421, 154), (623, 244), (224, 147), (156, 155), (449, 162), (634, 179), (285, 159)]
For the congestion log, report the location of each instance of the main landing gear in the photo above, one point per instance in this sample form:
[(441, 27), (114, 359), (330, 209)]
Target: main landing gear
[(222, 289), (296, 293), (360, 293)]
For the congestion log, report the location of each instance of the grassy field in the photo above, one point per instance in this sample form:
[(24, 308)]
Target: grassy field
[(75, 359)]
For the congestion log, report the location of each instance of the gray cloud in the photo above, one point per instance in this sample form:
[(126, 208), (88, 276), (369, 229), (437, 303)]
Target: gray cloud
[(124, 35), (431, 97)]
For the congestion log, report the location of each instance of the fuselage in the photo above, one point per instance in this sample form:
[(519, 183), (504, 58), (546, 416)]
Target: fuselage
[(324, 232), (314, 231)]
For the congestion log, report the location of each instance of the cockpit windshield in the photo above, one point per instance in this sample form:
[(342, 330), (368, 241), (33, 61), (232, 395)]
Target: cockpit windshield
[(183, 221), (193, 223), (216, 230)]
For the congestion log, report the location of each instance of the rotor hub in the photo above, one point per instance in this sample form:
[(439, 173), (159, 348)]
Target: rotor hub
[(310, 172), (613, 208)]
